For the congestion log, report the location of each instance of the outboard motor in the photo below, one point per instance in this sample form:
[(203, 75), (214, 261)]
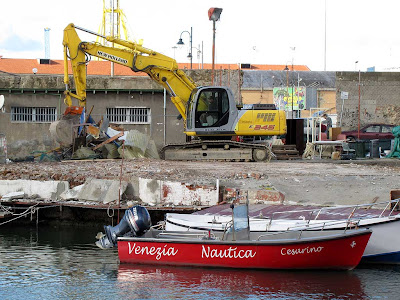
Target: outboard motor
[(136, 220)]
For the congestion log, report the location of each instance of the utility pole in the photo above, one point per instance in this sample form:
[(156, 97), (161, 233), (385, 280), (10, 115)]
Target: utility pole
[(213, 15), (47, 43)]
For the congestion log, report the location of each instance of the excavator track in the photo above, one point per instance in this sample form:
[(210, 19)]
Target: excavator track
[(221, 150)]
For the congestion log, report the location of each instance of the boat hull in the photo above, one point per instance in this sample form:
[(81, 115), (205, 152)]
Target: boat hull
[(384, 244), (336, 251)]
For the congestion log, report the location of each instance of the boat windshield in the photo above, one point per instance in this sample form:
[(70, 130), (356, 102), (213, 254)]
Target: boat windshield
[(241, 225)]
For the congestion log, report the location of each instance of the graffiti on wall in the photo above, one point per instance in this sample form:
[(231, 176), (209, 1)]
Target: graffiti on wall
[(290, 98)]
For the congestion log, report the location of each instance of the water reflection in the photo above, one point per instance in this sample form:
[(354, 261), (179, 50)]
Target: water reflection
[(238, 284)]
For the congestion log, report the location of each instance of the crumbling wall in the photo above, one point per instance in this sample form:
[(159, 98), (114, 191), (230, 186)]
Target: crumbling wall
[(230, 78), (379, 98), (103, 91)]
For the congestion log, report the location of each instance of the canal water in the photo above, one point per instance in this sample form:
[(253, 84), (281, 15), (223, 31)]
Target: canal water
[(64, 263)]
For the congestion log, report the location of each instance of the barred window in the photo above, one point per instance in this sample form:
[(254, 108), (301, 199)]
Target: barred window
[(131, 115), (33, 114)]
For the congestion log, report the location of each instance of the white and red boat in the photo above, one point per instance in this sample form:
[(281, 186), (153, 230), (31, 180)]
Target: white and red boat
[(238, 247), (287, 250)]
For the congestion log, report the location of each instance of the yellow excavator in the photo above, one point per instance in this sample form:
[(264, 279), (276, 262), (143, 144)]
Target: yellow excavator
[(211, 116)]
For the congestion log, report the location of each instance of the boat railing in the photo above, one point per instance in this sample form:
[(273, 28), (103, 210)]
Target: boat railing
[(392, 204), (187, 234), (319, 226), (228, 226), (349, 223)]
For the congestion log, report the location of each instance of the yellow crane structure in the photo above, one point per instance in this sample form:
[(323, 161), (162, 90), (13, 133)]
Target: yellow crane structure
[(113, 19)]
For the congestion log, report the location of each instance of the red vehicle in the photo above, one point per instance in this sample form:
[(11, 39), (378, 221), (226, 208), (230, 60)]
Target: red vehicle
[(371, 132)]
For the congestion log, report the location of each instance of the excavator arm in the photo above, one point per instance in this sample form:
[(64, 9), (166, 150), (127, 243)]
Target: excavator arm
[(159, 67)]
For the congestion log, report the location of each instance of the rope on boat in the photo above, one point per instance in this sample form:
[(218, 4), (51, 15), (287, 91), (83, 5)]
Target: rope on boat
[(160, 225)]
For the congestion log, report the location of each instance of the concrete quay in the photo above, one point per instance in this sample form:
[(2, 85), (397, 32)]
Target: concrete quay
[(99, 185)]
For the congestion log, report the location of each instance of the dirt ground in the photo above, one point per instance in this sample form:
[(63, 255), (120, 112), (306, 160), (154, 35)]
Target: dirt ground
[(319, 182)]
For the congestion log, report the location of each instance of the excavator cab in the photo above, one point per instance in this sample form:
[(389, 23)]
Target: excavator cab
[(209, 110)]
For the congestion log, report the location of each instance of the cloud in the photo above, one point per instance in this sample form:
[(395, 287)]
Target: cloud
[(17, 43)]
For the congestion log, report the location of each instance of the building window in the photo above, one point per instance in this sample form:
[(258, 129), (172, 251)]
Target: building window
[(131, 115), (33, 114)]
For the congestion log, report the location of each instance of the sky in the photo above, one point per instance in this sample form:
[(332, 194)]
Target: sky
[(331, 35)]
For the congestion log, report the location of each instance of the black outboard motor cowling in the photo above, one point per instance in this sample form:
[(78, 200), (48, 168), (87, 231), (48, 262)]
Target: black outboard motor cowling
[(136, 221)]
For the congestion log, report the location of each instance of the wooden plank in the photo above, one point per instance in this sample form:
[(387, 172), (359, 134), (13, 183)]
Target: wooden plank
[(113, 138)]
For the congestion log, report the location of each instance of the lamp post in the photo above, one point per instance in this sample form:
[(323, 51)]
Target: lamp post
[(174, 47), (287, 81), (199, 51), (298, 95), (213, 15), (180, 42)]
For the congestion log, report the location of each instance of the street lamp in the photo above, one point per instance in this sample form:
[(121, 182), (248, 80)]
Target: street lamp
[(199, 51), (213, 15), (287, 80), (174, 47), (181, 43), (287, 86)]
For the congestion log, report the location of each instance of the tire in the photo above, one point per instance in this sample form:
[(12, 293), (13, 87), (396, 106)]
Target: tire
[(260, 154)]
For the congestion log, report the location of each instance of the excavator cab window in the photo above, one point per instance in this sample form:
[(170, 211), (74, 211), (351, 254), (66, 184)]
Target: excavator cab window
[(212, 108)]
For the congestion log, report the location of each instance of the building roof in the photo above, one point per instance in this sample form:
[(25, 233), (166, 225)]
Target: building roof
[(269, 79), (243, 67), (95, 67)]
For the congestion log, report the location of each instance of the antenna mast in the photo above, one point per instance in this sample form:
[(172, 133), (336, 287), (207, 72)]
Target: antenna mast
[(47, 43)]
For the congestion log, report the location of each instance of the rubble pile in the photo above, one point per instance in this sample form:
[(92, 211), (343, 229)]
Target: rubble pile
[(80, 137), (76, 172)]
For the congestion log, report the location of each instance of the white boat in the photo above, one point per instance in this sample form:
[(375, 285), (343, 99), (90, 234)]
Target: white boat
[(383, 247)]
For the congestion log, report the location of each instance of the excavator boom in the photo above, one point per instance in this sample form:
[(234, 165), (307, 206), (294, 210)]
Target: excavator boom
[(159, 67)]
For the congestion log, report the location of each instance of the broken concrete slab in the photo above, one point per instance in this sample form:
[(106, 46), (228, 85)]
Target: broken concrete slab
[(32, 188), (12, 196), (71, 194), (266, 197), (102, 190), (158, 192), (255, 196)]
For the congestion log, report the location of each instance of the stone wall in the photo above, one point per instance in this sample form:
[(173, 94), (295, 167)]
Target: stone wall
[(229, 78), (23, 138), (379, 98)]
